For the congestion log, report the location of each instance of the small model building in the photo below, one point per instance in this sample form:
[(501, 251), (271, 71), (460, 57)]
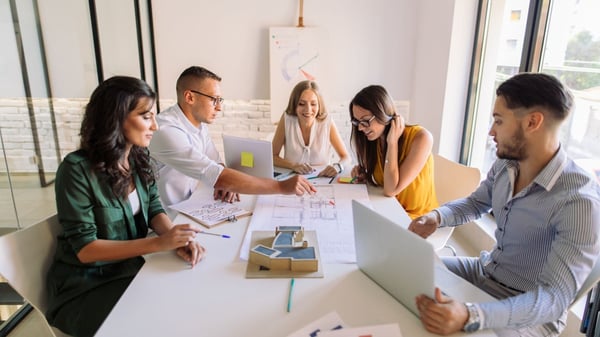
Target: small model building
[(289, 251)]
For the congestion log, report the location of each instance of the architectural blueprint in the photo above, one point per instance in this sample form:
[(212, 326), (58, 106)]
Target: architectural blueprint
[(328, 212)]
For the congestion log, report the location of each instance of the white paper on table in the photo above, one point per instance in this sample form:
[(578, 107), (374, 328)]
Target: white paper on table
[(311, 175), (331, 321), (209, 212), (328, 212), (383, 330)]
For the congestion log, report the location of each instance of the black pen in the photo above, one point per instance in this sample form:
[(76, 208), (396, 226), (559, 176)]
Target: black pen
[(331, 180)]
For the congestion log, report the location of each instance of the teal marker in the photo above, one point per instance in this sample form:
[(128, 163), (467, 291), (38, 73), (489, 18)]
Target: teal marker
[(289, 304)]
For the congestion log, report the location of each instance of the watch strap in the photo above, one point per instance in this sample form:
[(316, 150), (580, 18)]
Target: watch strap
[(339, 166), (474, 321)]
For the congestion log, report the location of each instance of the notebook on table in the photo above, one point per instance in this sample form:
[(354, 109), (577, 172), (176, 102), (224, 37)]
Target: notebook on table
[(402, 263), (251, 156), (202, 207)]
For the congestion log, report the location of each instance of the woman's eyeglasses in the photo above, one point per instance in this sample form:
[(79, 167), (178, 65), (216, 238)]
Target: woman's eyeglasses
[(366, 123), (215, 100)]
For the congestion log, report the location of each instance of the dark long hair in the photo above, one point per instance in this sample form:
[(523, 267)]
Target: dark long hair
[(102, 136), (377, 100)]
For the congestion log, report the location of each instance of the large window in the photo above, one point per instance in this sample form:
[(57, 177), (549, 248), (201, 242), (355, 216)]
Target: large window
[(561, 38)]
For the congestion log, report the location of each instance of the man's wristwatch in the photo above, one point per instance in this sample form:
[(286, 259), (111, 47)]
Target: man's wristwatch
[(474, 322), (338, 166)]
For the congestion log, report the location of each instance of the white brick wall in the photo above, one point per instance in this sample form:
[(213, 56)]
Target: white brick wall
[(241, 118)]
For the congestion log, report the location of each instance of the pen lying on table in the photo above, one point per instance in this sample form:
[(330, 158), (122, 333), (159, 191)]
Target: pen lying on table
[(216, 234)]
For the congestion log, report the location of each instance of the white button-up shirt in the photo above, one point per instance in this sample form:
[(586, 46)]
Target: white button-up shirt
[(186, 157)]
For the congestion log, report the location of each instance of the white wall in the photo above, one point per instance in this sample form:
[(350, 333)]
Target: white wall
[(371, 41), (69, 47), (419, 50), (10, 76), (443, 57)]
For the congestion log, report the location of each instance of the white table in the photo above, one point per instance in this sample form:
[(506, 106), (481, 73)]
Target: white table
[(168, 298)]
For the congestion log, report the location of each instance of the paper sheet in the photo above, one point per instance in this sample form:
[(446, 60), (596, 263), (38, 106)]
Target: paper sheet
[(331, 321), (202, 207), (328, 212), (382, 330)]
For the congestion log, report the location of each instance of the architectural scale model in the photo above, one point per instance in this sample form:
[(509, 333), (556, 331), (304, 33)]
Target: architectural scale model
[(288, 251)]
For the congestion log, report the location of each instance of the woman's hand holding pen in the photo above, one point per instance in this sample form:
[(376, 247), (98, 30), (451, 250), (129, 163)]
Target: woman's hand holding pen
[(178, 236), (182, 238), (358, 175)]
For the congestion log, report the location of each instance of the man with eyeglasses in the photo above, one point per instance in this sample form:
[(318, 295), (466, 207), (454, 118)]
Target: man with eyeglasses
[(187, 156)]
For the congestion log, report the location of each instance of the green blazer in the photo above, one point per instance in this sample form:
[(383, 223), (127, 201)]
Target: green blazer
[(89, 210)]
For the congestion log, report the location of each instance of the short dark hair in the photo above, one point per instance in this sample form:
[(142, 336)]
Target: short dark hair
[(196, 73), (529, 90)]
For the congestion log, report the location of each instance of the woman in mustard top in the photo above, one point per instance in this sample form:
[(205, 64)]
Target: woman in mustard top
[(390, 153)]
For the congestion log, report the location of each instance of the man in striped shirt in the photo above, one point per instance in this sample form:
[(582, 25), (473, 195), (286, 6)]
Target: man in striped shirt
[(547, 211)]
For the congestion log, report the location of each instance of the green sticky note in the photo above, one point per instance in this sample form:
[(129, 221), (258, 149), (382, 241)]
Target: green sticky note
[(247, 159)]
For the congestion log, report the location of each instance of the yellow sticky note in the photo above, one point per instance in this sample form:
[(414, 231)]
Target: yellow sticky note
[(247, 159)]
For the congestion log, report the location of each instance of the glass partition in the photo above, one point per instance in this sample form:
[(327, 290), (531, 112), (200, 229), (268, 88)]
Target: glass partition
[(48, 68)]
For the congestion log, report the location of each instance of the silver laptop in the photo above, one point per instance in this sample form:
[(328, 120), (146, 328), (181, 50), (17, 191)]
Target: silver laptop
[(251, 156), (402, 263)]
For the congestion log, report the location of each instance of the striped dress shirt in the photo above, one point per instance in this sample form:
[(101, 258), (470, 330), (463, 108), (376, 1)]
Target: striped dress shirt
[(546, 238)]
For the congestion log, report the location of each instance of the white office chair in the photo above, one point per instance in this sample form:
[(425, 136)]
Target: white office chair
[(592, 279), (25, 256), (452, 181)]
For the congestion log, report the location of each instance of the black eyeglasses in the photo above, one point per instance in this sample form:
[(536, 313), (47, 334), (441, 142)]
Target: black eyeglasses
[(366, 123), (215, 100)]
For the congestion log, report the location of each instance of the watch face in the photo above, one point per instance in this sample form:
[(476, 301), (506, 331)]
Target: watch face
[(472, 327)]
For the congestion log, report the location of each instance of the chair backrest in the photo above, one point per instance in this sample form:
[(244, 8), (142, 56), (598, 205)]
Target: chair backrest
[(453, 180), (592, 279), (26, 255)]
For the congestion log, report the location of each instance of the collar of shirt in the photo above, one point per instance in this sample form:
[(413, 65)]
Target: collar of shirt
[(185, 122), (548, 175)]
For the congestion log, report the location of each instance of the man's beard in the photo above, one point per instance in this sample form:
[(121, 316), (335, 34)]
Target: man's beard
[(515, 149)]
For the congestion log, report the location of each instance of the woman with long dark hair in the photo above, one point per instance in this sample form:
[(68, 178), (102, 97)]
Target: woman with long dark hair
[(106, 199), (390, 153)]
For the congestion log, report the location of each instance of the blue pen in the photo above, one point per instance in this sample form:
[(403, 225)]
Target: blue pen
[(216, 234)]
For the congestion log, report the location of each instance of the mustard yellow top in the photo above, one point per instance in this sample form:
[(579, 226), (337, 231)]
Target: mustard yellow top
[(419, 196)]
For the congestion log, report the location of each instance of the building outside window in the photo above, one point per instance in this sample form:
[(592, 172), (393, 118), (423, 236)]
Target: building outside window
[(567, 46)]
